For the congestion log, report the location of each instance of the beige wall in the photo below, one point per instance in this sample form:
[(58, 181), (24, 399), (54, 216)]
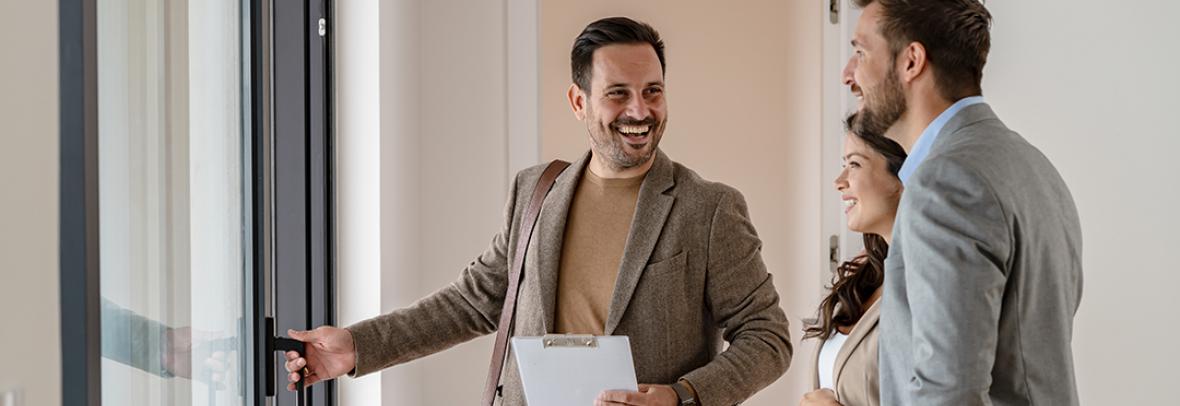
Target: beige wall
[(743, 92), (29, 343), (464, 160)]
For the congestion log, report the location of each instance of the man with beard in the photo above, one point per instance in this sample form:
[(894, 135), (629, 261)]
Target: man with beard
[(628, 243), (984, 276)]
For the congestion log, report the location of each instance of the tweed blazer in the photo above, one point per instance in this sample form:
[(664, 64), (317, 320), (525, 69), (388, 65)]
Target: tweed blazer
[(691, 279), (857, 376), (984, 275)]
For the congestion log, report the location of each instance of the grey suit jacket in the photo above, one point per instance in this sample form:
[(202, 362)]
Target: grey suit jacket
[(856, 371), (984, 275), (691, 278)]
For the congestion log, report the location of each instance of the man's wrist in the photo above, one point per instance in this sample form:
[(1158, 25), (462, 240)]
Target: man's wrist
[(356, 352), (686, 393)]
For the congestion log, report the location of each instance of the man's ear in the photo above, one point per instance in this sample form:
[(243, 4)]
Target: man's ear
[(577, 101), (913, 61)]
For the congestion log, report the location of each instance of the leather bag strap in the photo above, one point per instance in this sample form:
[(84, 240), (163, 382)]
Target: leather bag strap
[(515, 274)]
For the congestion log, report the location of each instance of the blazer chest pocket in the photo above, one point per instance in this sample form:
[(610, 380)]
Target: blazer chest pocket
[(670, 267), (663, 283)]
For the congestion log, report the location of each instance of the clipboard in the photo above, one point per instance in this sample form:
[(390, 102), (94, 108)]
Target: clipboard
[(562, 370)]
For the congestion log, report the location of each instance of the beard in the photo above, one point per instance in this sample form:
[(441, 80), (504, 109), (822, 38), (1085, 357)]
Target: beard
[(883, 106), (609, 143)]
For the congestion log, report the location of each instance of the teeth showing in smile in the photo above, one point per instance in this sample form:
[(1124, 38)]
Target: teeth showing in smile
[(634, 129), (849, 203)]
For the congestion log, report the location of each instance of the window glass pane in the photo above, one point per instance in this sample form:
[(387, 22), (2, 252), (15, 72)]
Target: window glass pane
[(171, 205)]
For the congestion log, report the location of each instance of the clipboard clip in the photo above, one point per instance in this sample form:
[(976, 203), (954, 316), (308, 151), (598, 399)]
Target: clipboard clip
[(569, 340)]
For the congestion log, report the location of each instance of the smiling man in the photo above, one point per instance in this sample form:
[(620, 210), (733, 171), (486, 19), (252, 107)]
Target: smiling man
[(628, 243), (984, 274)]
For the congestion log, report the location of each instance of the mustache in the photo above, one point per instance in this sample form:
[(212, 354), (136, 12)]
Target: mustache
[(650, 121)]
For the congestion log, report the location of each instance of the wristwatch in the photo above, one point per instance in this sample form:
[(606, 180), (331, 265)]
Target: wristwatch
[(685, 393)]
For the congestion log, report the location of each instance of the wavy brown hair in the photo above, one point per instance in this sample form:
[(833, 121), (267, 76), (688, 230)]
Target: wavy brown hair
[(856, 279)]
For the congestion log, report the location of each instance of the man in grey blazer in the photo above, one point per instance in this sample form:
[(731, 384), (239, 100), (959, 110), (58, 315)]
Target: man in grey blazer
[(628, 242), (985, 272)]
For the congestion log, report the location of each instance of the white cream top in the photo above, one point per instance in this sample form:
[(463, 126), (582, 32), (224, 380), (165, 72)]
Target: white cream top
[(827, 359)]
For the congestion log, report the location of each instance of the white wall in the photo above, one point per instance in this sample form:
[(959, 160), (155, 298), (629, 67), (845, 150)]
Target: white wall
[(743, 91), (29, 165), (1094, 84), (358, 177)]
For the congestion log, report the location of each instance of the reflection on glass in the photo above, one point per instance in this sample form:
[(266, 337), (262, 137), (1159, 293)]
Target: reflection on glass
[(171, 201)]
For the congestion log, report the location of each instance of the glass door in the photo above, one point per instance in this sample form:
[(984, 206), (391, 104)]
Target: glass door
[(196, 197), (174, 202)]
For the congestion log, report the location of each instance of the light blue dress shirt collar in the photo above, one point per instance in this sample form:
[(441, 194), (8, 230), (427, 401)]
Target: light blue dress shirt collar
[(922, 146)]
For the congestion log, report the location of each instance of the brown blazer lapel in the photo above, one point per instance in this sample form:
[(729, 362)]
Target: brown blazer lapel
[(544, 257), (651, 211), (861, 330)]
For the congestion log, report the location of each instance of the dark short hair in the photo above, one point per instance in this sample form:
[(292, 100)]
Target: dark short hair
[(608, 31), (955, 34)]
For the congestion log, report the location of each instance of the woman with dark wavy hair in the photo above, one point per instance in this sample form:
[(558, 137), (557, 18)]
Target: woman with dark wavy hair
[(844, 365)]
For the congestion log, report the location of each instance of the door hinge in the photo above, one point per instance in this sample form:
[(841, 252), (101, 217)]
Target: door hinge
[(833, 253), (323, 27), (834, 11)]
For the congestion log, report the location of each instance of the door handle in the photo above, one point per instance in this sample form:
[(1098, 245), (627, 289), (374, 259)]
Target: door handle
[(283, 344)]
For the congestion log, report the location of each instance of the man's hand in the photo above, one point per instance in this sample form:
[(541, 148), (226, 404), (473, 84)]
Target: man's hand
[(177, 356), (821, 397), (178, 352), (330, 353), (648, 395)]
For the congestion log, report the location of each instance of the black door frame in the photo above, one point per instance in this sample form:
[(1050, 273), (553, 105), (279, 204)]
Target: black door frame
[(78, 205), (293, 137)]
